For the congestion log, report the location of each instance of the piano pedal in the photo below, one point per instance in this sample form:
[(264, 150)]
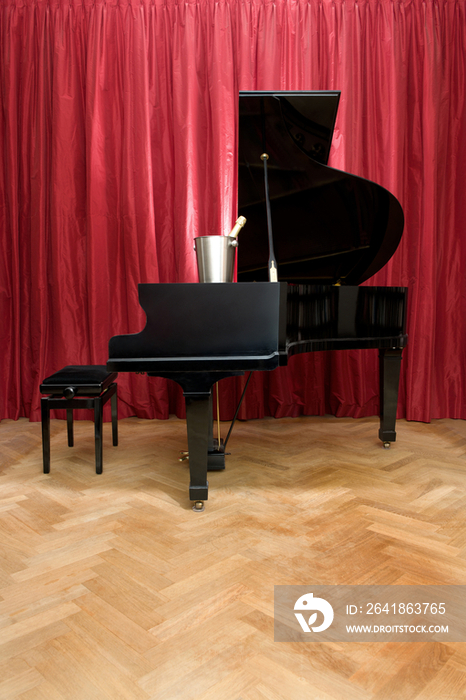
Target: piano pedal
[(198, 506), (216, 459)]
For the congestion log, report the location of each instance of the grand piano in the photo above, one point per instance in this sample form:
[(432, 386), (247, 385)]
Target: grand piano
[(319, 233)]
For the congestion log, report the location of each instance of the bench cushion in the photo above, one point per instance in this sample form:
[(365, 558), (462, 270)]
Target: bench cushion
[(86, 379)]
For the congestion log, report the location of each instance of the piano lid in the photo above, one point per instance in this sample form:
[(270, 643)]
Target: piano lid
[(328, 225)]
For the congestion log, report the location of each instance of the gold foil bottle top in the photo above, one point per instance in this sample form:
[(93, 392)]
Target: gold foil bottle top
[(237, 227)]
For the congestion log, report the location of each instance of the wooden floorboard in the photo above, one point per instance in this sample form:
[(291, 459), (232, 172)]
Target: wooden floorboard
[(112, 587)]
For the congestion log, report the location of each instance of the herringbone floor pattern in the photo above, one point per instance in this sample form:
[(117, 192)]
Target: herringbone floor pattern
[(112, 588)]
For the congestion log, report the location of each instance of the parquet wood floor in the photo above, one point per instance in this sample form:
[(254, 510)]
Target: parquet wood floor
[(111, 588)]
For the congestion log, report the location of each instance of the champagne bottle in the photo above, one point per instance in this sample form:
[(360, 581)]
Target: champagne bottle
[(237, 227)]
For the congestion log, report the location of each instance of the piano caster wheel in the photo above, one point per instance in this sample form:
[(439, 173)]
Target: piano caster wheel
[(198, 507), (386, 445), (184, 457)]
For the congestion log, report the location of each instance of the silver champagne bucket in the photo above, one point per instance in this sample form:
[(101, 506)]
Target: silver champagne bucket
[(215, 258)]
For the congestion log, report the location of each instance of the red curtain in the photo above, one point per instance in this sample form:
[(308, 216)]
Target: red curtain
[(117, 148)]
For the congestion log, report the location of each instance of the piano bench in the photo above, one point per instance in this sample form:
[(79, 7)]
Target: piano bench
[(79, 386)]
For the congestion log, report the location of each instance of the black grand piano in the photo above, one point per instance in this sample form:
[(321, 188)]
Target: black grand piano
[(323, 231)]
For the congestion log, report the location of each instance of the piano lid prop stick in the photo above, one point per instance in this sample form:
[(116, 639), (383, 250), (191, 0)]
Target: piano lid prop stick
[(273, 276)]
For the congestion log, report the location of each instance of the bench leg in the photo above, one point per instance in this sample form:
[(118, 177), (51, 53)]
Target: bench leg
[(114, 405), (69, 425), (45, 417), (98, 409)]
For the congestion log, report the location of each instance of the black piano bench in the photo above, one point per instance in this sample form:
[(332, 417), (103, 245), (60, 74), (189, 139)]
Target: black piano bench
[(79, 386)]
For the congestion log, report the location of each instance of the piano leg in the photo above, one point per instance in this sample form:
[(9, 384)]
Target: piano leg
[(389, 378), (198, 415), (197, 392), (45, 417)]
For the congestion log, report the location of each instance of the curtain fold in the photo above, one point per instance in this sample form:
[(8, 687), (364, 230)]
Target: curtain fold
[(118, 148)]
